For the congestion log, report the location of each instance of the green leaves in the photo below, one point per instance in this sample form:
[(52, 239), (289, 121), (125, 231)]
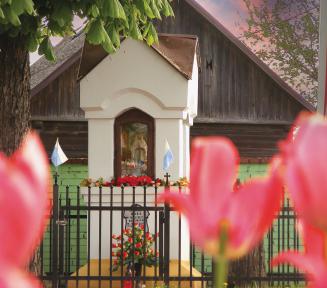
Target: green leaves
[(145, 8), (62, 14), (46, 49), (107, 44), (134, 30), (107, 21), (150, 34), (21, 6), (113, 9), (114, 36), (155, 9), (95, 32), (11, 16), (97, 35), (166, 8), (32, 43)]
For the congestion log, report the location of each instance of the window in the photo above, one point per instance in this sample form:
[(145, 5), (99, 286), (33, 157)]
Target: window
[(134, 144)]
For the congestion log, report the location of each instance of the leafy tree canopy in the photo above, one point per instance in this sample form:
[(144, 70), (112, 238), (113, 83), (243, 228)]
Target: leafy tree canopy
[(285, 34), (106, 21)]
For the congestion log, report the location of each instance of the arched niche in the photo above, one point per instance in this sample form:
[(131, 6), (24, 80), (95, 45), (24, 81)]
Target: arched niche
[(134, 144)]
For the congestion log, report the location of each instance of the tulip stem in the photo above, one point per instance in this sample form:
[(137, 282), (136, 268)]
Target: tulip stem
[(221, 270), (221, 267)]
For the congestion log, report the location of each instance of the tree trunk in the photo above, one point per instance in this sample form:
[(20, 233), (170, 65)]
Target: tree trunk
[(15, 102), (14, 92)]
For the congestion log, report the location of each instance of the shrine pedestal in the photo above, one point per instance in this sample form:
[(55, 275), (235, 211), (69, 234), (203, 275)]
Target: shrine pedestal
[(150, 271), (119, 199)]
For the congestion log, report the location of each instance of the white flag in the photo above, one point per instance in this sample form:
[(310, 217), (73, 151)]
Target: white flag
[(58, 156), (168, 156)]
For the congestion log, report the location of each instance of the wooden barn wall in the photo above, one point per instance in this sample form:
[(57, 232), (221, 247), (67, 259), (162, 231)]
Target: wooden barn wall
[(73, 136), (231, 86), (59, 100), (252, 140)]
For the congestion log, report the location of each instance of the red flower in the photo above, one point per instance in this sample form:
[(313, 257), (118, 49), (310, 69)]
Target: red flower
[(313, 261), (114, 245), (24, 206), (306, 168), (113, 254), (138, 245), (106, 184), (130, 240), (137, 253), (114, 236), (127, 231), (213, 206), (125, 254)]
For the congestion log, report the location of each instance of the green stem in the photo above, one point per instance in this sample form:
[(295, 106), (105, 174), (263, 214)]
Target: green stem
[(221, 271), (221, 262)]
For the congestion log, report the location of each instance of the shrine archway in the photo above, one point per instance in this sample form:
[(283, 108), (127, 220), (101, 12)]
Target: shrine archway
[(134, 144)]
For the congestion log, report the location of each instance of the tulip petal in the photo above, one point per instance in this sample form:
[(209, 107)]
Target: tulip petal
[(305, 170), (180, 201), (301, 261), (312, 261), (258, 201), (315, 269), (24, 182), (13, 278), (201, 229), (213, 172), (314, 240)]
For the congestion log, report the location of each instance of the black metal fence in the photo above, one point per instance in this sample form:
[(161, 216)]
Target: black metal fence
[(95, 234)]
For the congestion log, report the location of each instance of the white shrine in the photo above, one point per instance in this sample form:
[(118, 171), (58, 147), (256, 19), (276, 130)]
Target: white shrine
[(133, 101)]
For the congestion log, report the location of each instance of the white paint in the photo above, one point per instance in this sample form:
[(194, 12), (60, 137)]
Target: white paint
[(100, 147), (116, 219), (134, 69), (138, 77)]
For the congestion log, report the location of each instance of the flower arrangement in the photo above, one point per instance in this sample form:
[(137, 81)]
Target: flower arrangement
[(142, 252), (132, 181)]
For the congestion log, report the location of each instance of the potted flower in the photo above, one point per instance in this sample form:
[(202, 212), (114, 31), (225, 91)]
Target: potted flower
[(138, 250)]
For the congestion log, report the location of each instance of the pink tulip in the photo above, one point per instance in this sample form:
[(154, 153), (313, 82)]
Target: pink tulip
[(24, 183), (314, 259), (213, 207), (305, 159)]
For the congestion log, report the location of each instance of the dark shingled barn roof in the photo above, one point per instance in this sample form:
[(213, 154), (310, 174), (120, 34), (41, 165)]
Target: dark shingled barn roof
[(177, 50), (67, 52)]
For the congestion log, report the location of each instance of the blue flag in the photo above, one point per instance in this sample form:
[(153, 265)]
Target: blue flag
[(168, 157), (58, 156)]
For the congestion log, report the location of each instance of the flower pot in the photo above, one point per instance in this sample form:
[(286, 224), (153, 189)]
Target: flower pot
[(138, 271)]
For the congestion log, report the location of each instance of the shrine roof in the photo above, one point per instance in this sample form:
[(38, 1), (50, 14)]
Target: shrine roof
[(177, 50)]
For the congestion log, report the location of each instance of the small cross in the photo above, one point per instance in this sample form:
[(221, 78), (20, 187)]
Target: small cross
[(167, 179)]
